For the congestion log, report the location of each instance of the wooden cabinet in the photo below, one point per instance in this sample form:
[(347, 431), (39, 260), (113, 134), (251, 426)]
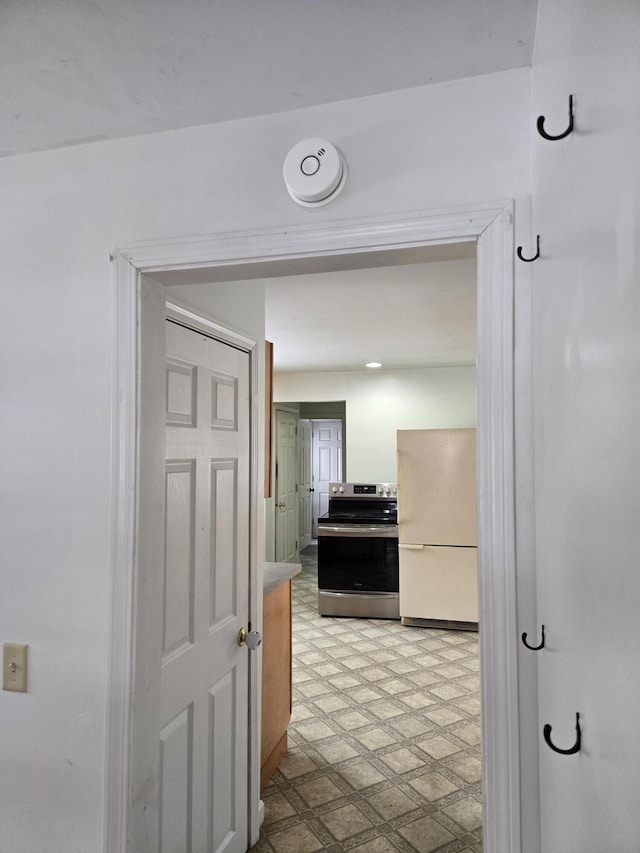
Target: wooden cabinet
[(276, 679)]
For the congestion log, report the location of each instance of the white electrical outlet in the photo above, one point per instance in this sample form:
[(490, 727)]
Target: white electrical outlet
[(14, 667)]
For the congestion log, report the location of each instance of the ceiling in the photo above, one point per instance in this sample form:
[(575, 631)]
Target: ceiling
[(77, 71), (413, 315), (407, 308)]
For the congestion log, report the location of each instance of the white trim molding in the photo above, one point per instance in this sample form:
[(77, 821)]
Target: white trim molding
[(122, 558), (491, 225), (496, 540), (339, 237)]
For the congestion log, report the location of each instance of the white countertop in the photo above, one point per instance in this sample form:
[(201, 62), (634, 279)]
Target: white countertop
[(275, 574)]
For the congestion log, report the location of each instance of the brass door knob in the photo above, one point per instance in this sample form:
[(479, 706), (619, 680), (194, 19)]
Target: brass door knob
[(250, 639)]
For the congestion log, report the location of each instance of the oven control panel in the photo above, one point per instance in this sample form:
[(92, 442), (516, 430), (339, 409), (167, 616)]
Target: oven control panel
[(363, 490)]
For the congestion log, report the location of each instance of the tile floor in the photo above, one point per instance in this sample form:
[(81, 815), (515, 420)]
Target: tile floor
[(384, 741)]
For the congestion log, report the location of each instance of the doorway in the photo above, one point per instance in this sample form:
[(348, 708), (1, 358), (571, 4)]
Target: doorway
[(308, 442), (332, 412), (491, 226), (385, 719)]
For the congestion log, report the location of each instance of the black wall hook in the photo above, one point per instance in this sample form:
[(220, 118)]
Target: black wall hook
[(543, 132), (575, 748), (534, 648), (535, 257)]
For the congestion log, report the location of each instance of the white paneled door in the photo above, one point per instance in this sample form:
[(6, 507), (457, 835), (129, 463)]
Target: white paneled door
[(204, 672), (327, 464), (305, 483)]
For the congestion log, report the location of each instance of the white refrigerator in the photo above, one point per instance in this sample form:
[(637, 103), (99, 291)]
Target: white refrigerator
[(437, 532)]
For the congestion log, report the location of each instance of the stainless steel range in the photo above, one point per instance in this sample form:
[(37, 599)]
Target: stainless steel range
[(358, 551)]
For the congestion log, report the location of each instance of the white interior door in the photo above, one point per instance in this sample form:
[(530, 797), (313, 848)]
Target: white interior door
[(286, 482), (327, 464), (202, 747), (305, 487)]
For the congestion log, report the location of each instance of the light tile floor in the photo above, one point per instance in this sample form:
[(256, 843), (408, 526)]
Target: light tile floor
[(384, 741)]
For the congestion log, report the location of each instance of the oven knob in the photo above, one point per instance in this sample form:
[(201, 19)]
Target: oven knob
[(380, 490), (334, 490), (395, 490), (341, 489)]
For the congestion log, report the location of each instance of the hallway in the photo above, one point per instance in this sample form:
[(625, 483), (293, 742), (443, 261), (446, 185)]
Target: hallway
[(384, 742)]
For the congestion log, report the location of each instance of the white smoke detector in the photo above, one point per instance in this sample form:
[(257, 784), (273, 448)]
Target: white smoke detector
[(314, 172)]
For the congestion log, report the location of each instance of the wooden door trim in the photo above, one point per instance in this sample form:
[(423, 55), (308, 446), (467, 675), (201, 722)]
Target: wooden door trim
[(491, 225)]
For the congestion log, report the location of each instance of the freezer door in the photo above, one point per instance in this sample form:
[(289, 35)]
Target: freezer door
[(438, 583), (437, 486)]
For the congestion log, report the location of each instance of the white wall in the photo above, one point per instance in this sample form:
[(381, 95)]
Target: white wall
[(61, 214), (586, 207), (379, 402)]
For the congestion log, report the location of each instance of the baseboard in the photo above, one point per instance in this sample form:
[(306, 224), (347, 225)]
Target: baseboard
[(446, 624)]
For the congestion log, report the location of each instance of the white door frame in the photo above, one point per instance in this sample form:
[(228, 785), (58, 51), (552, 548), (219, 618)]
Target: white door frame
[(492, 226)]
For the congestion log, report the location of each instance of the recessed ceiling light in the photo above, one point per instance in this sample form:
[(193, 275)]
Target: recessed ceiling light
[(373, 364)]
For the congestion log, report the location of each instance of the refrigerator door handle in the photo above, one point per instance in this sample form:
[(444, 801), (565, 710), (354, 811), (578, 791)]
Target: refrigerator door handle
[(411, 547)]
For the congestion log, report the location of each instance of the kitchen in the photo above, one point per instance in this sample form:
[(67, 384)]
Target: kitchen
[(378, 402), (418, 319)]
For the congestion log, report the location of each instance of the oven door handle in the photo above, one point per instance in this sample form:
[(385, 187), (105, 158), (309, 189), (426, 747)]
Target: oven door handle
[(387, 531)]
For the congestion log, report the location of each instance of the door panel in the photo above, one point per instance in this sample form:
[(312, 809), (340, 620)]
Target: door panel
[(181, 393), (204, 673), (224, 536), (176, 779), (325, 458), (179, 555), (222, 762)]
